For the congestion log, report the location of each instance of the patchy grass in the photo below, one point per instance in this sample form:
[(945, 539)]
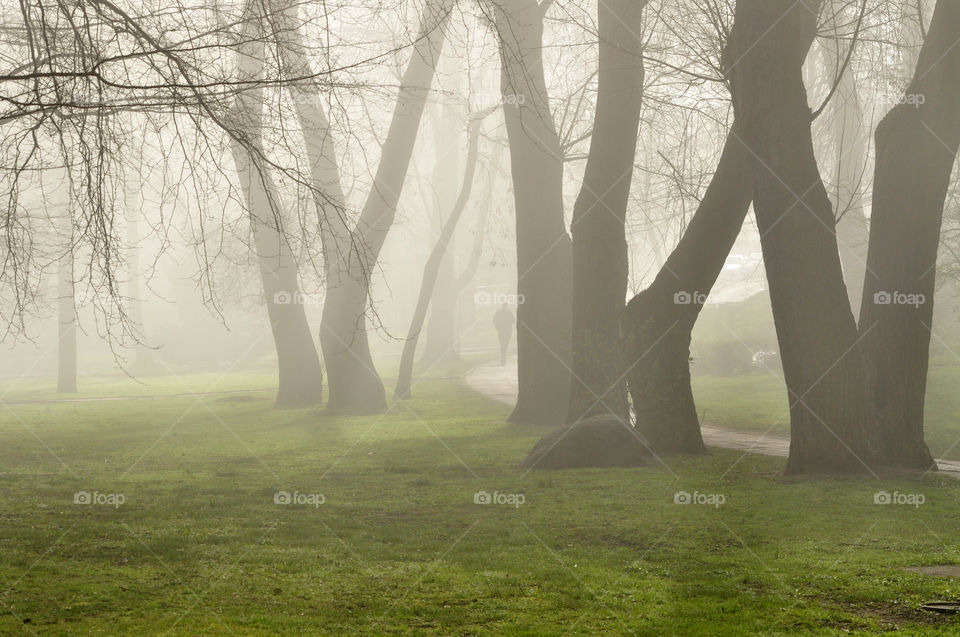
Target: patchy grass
[(399, 546)]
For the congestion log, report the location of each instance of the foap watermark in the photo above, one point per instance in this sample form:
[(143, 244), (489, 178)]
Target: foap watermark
[(485, 101), (899, 298), (715, 500), (689, 298), (312, 499), (102, 499), (510, 499), (909, 499), (497, 298), (296, 298)]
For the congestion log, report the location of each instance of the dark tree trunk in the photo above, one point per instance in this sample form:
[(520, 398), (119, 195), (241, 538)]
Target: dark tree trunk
[(300, 373), (543, 245), (657, 323), (825, 374), (600, 263), (432, 268), (916, 150), (67, 325)]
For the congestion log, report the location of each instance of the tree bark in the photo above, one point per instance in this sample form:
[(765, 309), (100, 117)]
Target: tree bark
[(543, 245), (916, 151), (600, 263), (825, 374), (432, 268), (300, 374), (658, 323)]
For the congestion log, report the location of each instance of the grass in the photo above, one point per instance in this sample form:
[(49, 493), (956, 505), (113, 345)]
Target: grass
[(400, 547), (758, 402)]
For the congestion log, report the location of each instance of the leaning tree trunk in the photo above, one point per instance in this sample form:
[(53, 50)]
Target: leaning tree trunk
[(825, 374), (916, 150), (300, 374), (600, 263), (657, 323), (543, 245), (432, 268)]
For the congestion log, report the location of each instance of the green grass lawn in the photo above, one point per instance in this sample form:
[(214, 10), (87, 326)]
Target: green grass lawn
[(399, 546)]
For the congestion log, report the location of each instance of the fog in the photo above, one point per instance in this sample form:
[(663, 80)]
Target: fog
[(499, 317)]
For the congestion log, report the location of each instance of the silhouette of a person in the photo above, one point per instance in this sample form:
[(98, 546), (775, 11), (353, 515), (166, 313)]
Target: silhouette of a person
[(503, 321)]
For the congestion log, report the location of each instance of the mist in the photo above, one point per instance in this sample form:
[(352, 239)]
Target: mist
[(501, 317)]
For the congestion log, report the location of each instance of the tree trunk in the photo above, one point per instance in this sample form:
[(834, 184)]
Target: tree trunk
[(825, 374), (350, 254), (300, 374), (916, 150), (67, 324), (657, 323), (432, 268), (440, 345), (600, 263), (355, 386), (543, 245)]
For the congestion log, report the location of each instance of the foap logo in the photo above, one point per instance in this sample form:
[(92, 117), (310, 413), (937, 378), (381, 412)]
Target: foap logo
[(295, 298), (95, 497), (511, 499), (287, 498), (715, 500), (899, 298), (497, 298), (487, 100), (910, 499), (689, 298)]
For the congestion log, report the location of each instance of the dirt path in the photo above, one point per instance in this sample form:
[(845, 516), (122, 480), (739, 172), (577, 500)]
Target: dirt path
[(500, 383)]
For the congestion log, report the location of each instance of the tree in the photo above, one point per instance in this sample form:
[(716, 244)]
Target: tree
[(825, 374), (432, 268), (600, 263), (658, 323), (917, 146), (300, 374), (543, 245)]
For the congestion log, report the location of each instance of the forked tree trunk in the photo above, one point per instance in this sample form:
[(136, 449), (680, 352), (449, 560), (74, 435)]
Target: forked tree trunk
[(543, 245), (300, 374), (351, 254), (916, 150), (825, 374), (657, 323), (600, 263), (432, 268), (850, 148), (355, 386)]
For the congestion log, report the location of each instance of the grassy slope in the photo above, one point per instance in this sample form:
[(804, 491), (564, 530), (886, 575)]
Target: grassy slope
[(399, 546)]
